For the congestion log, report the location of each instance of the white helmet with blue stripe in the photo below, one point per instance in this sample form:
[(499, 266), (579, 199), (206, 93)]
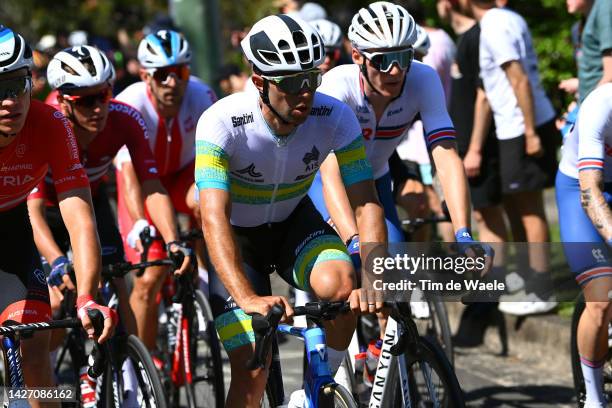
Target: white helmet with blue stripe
[(163, 48), (15, 53)]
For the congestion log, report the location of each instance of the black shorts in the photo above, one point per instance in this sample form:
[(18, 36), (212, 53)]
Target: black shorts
[(110, 239), (485, 190), (24, 296), (291, 248), (522, 173)]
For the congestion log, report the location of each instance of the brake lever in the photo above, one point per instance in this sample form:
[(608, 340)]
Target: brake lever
[(264, 327)]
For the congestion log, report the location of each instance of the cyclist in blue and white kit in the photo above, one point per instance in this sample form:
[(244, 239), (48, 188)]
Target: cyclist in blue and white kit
[(584, 188), (256, 157), (387, 90)]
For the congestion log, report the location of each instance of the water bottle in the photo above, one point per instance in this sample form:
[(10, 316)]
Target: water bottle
[(371, 361)]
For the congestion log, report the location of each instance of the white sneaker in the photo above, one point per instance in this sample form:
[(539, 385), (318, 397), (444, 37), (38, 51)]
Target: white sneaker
[(529, 305), (420, 308), (297, 399), (514, 282)]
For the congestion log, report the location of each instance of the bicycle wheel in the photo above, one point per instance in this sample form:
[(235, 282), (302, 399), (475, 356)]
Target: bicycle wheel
[(579, 387), (141, 384), (207, 387), (437, 327), (431, 379), (335, 396)]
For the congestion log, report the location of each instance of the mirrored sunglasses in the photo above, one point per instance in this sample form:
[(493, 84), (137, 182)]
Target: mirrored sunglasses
[(383, 61), (294, 84)]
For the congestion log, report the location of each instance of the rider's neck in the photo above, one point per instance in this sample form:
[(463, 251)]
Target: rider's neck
[(274, 123)]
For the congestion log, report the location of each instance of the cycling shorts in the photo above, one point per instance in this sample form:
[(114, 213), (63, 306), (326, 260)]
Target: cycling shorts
[(177, 184), (110, 239), (585, 250), (385, 195), (24, 296), (291, 248)]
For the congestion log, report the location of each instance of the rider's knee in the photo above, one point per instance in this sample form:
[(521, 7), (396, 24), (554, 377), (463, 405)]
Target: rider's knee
[(333, 284), (146, 286)]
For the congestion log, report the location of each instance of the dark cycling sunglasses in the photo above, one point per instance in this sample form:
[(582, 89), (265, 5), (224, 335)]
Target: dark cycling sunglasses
[(15, 87), (383, 61), (161, 75), (293, 84), (89, 101)]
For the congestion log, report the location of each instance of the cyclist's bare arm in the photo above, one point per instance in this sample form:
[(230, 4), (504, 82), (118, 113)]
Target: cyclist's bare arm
[(369, 213), (215, 206), (336, 200), (43, 237), (77, 212), (594, 202), (454, 183), (131, 191)]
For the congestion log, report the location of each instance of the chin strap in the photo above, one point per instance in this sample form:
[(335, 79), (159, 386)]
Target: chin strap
[(364, 72), (266, 99), (73, 119)]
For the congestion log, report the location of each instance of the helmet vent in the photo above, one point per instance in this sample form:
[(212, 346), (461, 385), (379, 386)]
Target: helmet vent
[(66, 67), (283, 45), (166, 45), (289, 57), (299, 39), (317, 53), (270, 56), (304, 56)]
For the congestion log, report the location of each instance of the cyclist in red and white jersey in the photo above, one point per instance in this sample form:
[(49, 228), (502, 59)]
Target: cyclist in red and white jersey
[(171, 102), (34, 138), (84, 76)]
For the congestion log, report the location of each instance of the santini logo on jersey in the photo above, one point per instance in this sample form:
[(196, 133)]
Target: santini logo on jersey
[(321, 110), (243, 120)]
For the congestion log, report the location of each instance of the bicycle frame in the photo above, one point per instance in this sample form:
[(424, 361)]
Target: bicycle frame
[(318, 373), (12, 357)]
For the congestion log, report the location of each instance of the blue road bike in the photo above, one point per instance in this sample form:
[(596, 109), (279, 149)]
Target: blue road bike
[(320, 389)]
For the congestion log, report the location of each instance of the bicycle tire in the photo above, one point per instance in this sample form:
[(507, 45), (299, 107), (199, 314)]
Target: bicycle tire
[(429, 357), (335, 396), (207, 388), (437, 327), (150, 392)]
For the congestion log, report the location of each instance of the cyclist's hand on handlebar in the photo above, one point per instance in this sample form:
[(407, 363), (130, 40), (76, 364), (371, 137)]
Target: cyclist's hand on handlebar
[(87, 302), (133, 238), (365, 301), (263, 304), (59, 276), (473, 249), (182, 256)]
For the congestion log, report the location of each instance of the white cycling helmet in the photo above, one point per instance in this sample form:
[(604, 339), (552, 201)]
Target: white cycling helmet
[(283, 44), (15, 53), (164, 48), (330, 33), (422, 44), (79, 67), (382, 25)]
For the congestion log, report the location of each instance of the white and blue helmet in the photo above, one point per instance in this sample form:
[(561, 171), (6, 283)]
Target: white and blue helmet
[(330, 32), (15, 53), (79, 67), (422, 43), (163, 48)]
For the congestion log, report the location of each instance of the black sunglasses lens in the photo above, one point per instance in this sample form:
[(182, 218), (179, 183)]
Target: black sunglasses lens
[(294, 85), (12, 88)]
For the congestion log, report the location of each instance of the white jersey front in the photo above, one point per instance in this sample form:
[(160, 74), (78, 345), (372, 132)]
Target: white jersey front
[(505, 37), (422, 94), (268, 175), (589, 144), (172, 142)]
